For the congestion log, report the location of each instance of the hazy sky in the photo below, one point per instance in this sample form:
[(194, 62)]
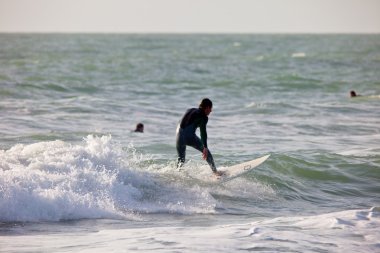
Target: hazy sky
[(202, 16)]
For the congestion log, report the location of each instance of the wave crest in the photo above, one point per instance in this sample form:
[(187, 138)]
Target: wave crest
[(55, 180)]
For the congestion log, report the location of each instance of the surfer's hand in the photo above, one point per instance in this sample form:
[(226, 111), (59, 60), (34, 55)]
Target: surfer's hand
[(205, 153)]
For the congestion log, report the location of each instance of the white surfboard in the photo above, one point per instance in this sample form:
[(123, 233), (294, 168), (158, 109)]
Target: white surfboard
[(240, 169), (203, 173)]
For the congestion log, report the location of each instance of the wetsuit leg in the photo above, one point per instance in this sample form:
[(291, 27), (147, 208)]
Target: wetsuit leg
[(181, 147), (196, 143)]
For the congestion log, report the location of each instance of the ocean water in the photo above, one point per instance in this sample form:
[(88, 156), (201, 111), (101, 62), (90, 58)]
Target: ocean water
[(74, 177)]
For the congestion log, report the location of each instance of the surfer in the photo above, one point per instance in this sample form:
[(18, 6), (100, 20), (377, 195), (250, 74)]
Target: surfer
[(139, 128), (353, 94), (185, 135)]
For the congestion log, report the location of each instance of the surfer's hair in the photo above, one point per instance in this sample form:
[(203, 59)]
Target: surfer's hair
[(205, 103)]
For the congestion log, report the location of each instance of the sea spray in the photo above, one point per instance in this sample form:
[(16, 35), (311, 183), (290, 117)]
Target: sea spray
[(57, 181), (51, 181)]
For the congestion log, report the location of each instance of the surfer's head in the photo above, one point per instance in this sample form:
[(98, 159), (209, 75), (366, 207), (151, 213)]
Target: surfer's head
[(206, 106), (352, 93), (205, 103), (139, 128)]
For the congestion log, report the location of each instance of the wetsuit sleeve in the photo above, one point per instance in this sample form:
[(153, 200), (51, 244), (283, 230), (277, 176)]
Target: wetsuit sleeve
[(202, 129)]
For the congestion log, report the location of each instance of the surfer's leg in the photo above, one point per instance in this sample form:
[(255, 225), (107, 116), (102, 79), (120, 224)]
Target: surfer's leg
[(181, 148), (197, 144)]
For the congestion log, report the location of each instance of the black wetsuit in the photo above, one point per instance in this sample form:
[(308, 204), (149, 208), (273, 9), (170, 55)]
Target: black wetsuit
[(186, 136)]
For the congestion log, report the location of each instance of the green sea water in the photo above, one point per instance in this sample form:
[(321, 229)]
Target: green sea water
[(69, 104)]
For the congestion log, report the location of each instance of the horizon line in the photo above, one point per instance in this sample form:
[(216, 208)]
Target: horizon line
[(188, 33)]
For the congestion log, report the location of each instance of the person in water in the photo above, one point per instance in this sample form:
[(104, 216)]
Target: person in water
[(353, 94), (139, 128), (185, 135)]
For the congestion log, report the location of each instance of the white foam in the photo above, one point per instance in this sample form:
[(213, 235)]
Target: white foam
[(351, 231), (363, 152), (56, 180), (299, 55), (319, 233)]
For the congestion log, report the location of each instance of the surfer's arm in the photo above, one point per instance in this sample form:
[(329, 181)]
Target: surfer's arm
[(205, 153), (202, 129)]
